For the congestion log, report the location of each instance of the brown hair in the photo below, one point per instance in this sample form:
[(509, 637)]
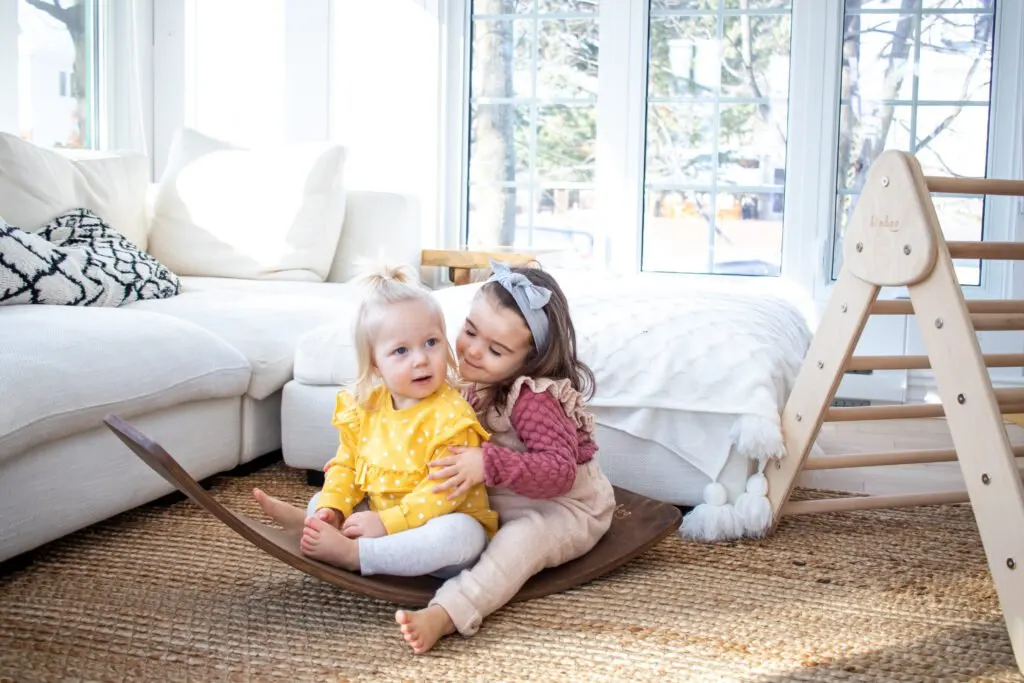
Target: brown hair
[(558, 360)]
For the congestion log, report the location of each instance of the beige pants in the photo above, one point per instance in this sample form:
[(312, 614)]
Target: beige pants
[(534, 534)]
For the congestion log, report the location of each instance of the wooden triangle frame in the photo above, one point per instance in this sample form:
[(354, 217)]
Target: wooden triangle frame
[(895, 239)]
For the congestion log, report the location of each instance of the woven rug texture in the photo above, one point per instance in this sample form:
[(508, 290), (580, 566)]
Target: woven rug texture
[(167, 593)]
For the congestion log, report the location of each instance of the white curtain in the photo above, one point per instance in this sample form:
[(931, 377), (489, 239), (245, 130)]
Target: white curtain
[(125, 75)]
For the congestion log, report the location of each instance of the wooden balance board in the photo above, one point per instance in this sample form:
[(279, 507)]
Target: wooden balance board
[(638, 524)]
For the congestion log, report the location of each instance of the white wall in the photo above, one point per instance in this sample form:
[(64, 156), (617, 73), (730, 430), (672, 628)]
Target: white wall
[(362, 72), (246, 71), (386, 69)]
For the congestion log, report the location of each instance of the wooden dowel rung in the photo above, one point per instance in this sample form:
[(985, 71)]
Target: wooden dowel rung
[(992, 186), (847, 460), (1007, 397), (1010, 401), (904, 307), (991, 251), (997, 322), (992, 360), (894, 412), (805, 507)]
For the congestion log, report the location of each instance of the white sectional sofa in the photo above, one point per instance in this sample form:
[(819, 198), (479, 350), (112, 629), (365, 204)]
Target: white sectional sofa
[(201, 372)]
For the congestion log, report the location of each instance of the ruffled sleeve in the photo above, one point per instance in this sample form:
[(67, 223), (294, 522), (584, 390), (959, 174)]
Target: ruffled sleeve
[(499, 418), (340, 490)]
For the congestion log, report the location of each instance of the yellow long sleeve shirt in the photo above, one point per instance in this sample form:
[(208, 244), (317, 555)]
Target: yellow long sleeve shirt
[(383, 454)]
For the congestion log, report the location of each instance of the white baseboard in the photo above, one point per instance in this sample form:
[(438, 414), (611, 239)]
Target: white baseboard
[(920, 383), (885, 386)]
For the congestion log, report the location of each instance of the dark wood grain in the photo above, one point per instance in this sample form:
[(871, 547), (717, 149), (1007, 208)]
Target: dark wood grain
[(639, 524)]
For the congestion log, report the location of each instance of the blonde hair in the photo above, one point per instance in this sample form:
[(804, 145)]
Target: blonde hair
[(386, 285)]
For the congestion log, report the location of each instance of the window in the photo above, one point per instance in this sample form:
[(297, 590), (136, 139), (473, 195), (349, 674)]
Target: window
[(532, 129), (56, 72), (917, 78), (717, 102), (728, 137)]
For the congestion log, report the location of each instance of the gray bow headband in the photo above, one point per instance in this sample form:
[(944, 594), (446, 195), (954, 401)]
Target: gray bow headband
[(530, 298)]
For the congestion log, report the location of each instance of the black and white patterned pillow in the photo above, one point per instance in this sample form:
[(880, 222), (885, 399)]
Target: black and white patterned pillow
[(78, 260)]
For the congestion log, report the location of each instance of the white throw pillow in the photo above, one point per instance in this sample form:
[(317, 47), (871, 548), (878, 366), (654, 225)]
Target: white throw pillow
[(266, 213), (38, 184)]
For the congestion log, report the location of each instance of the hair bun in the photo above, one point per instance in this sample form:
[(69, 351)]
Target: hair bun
[(375, 275)]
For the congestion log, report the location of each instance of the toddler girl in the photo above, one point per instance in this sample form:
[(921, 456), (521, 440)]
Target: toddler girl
[(518, 347), (389, 432)]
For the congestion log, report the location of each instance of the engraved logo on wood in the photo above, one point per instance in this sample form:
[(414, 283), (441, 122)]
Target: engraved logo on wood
[(885, 222)]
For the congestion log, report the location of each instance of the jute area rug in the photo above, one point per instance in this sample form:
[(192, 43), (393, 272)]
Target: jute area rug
[(166, 593)]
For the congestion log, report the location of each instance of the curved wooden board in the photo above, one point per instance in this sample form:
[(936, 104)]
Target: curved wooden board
[(638, 525)]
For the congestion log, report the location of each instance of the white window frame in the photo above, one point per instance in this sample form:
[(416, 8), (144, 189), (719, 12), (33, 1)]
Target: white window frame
[(9, 65), (811, 158), (124, 61), (811, 155)]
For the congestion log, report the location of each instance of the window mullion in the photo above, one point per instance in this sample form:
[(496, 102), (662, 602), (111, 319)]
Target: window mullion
[(456, 56), (9, 65), (811, 157), (1004, 216), (621, 114)]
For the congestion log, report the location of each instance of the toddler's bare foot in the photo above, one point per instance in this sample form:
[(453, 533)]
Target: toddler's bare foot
[(331, 516), (423, 628), (288, 516), (323, 542)]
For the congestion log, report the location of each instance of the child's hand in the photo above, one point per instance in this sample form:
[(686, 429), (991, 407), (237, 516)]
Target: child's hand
[(366, 524), (463, 469)]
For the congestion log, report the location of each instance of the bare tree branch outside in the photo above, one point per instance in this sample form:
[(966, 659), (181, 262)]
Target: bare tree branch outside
[(73, 15), (915, 76)]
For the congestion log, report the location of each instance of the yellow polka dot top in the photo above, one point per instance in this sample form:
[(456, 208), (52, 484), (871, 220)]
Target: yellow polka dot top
[(383, 455)]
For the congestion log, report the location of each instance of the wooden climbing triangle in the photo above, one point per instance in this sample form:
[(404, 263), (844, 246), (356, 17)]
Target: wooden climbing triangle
[(894, 239)]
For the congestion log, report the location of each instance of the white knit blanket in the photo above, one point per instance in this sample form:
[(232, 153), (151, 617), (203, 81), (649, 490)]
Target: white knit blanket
[(666, 352)]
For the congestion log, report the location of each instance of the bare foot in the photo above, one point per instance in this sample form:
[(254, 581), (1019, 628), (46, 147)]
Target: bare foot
[(331, 516), (423, 628), (323, 542), (288, 516)]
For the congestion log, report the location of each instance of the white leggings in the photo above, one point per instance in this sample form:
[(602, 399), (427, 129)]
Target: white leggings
[(442, 547)]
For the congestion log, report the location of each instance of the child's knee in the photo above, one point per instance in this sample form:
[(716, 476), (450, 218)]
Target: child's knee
[(471, 537)]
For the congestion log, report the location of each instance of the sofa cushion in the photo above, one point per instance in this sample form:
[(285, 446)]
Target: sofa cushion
[(263, 320), (37, 184), (269, 213), (63, 368), (77, 259)]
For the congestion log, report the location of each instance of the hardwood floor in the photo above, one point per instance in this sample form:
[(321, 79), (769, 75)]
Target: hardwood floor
[(891, 435)]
